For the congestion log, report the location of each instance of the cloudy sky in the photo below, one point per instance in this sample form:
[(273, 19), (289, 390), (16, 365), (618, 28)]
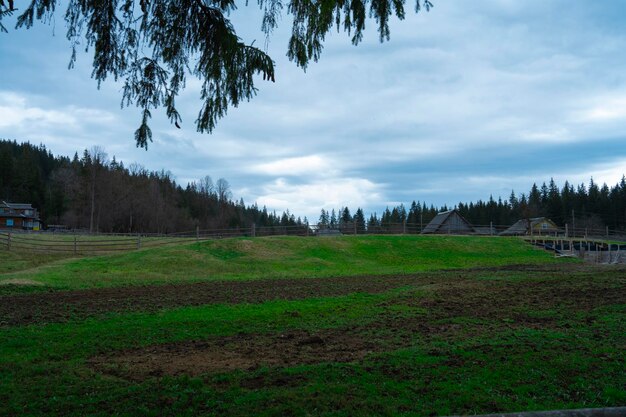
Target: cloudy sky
[(474, 98)]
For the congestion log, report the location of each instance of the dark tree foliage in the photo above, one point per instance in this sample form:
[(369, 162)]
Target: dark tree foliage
[(359, 220), (594, 207), (154, 45), (133, 199), (119, 198)]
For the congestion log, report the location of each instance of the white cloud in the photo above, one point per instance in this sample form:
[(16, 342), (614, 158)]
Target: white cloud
[(19, 111), (15, 112), (554, 135), (429, 115), (307, 199), (609, 172), (312, 165), (609, 109)]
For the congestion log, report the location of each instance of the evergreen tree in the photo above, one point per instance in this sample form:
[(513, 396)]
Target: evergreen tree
[(554, 203), (534, 203), (324, 219), (373, 224), (133, 199), (414, 213), (346, 217), (359, 220), (196, 38)]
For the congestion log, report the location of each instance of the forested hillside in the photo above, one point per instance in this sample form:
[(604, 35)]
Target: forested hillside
[(92, 192)]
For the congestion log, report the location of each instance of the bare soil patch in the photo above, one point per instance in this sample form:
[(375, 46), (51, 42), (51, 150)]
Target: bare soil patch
[(244, 351), (59, 306)]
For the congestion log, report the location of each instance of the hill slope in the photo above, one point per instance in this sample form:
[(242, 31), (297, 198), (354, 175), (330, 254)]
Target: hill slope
[(276, 257)]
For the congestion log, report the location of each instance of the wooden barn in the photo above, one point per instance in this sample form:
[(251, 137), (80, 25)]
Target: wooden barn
[(533, 226), (449, 222)]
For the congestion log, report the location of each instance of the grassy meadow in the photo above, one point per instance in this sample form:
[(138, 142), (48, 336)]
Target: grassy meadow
[(267, 257), (454, 325)]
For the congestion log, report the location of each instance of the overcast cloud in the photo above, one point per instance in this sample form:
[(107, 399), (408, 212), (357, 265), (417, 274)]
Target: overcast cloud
[(472, 99)]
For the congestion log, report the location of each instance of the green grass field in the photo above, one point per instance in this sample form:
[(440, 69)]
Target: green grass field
[(272, 257), (394, 325)]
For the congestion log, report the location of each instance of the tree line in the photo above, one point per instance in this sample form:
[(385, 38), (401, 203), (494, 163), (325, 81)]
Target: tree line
[(590, 206), (98, 194)]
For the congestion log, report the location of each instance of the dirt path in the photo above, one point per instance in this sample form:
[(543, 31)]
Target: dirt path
[(22, 309)]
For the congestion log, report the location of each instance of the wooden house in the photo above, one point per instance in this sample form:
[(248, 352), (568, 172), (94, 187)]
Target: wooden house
[(449, 222), (534, 226), (19, 216)]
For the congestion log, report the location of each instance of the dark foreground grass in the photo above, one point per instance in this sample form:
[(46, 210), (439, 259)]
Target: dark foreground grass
[(489, 342), (275, 257)]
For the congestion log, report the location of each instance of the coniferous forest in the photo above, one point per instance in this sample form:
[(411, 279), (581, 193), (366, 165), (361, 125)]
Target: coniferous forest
[(95, 193)]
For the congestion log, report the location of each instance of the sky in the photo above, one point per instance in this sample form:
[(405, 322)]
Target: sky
[(472, 99)]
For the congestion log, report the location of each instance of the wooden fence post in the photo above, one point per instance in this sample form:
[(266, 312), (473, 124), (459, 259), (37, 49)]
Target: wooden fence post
[(253, 230), (197, 233), (75, 244), (9, 242), (138, 241)]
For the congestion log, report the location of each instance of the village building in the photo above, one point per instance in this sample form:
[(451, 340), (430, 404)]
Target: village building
[(449, 222), (19, 216), (534, 226)]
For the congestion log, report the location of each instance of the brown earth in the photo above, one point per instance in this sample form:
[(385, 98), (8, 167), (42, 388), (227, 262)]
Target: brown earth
[(244, 351), (482, 306), (60, 306)]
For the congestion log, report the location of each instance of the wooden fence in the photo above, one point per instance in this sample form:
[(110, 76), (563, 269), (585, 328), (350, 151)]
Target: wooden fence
[(81, 242)]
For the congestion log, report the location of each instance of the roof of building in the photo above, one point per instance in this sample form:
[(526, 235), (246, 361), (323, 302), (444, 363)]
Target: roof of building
[(521, 226), (441, 218), (18, 206)]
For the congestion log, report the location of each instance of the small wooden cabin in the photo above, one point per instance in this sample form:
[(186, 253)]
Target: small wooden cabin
[(534, 226), (449, 222)]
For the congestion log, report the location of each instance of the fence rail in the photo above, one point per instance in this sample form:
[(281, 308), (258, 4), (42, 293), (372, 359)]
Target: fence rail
[(82, 242)]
